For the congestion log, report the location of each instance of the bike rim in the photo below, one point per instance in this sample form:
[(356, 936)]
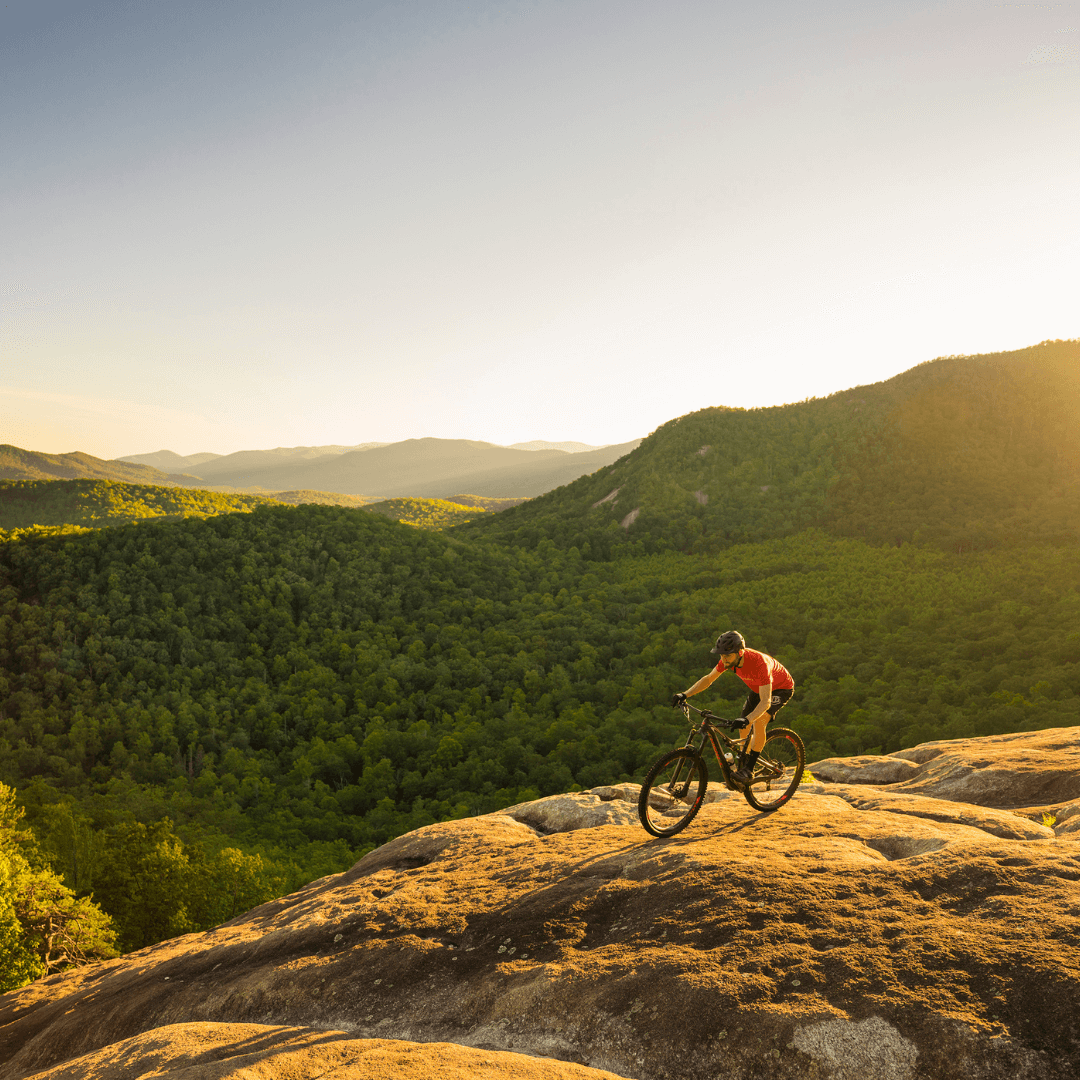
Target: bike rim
[(674, 793), (777, 772)]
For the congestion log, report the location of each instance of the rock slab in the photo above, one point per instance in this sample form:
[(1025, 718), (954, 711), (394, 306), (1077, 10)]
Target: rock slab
[(1025, 768), (262, 1052), (860, 932)]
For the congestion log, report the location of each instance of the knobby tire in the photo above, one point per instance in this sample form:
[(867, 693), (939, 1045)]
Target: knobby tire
[(778, 771), (673, 792)]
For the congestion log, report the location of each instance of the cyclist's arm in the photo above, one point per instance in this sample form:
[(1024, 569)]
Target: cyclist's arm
[(703, 683), (765, 694)]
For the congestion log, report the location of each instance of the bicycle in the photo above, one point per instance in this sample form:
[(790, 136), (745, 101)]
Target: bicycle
[(669, 802)]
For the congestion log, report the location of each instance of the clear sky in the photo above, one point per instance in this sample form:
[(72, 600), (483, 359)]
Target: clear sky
[(227, 226)]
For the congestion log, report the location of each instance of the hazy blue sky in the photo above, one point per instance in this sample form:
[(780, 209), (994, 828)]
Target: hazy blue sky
[(236, 225)]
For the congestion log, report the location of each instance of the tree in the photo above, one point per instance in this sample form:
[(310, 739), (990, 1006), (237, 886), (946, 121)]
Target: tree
[(18, 964), (230, 883), (43, 926), (58, 928), (143, 882)]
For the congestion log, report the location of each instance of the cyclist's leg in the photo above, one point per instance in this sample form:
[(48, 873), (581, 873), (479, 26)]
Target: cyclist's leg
[(756, 732), (779, 699)]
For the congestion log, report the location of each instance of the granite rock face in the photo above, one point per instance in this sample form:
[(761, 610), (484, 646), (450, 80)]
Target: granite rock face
[(1023, 769), (564, 813), (865, 770), (258, 1051), (863, 931)]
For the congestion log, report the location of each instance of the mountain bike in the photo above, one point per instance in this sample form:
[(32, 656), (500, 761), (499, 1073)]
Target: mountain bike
[(674, 788)]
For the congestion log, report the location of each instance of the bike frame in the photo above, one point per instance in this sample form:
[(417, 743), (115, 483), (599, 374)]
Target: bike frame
[(674, 787), (705, 729)]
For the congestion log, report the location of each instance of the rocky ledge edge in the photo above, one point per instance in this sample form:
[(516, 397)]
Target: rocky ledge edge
[(870, 930)]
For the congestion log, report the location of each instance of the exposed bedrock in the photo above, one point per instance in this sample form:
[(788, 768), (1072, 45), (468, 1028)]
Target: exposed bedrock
[(1023, 769), (858, 934), (257, 1051)]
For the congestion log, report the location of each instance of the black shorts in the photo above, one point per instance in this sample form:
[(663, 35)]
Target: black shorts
[(779, 699)]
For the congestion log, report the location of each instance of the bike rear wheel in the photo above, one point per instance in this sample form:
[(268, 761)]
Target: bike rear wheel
[(778, 770), (673, 792)]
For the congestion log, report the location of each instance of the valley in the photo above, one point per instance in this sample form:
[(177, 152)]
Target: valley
[(220, 698)]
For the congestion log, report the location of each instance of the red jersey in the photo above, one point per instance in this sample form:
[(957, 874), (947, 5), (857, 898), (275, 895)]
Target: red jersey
[(758, 668)]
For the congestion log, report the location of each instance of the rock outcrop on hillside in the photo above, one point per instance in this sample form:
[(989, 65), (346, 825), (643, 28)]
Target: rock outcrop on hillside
[(1022, 769), (867, 931)]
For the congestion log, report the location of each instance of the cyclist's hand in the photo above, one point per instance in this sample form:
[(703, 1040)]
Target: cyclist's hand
[(678, 701), (738, 725)]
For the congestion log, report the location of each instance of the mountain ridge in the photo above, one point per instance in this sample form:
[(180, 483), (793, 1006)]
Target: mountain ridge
[(958, 452), (413, 468), (19, 464), (169, 461), (213, 464), (569, 447), (420, 468)]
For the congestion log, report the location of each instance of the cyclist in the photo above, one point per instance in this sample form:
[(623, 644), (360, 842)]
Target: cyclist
[(768, 681)]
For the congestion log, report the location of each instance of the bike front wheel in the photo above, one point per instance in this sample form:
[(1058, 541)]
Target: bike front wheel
[(778, 770), (673, 792)]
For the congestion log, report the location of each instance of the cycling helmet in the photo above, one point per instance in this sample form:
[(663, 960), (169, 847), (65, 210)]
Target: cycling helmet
[(730, 641)]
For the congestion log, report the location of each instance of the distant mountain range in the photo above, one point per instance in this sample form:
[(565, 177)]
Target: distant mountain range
[(569, 447), (424, 468), (18, 464), (418, 468), (168, 462)]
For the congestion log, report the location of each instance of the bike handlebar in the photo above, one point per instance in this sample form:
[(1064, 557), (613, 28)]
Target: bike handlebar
[(734, 725)]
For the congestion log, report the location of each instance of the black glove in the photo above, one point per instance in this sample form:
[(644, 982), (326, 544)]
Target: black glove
[(738, 725), (678, 701)]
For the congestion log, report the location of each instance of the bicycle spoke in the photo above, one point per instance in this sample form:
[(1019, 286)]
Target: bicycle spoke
[(672, 792), (778, 772)]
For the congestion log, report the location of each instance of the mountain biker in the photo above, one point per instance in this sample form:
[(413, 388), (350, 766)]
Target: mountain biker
[(768, 681)]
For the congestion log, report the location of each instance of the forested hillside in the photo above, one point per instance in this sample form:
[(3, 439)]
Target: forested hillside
[(299, 684), (92, 504), (323, 498), (962, 453), (95, 503), (18, 464), (251, 700), (441, 513)]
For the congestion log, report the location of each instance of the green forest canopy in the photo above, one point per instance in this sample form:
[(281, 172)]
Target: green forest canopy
[(441, 513), (26, 504), (958, 453), (257, 698), (19, 464), (97, 503)]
